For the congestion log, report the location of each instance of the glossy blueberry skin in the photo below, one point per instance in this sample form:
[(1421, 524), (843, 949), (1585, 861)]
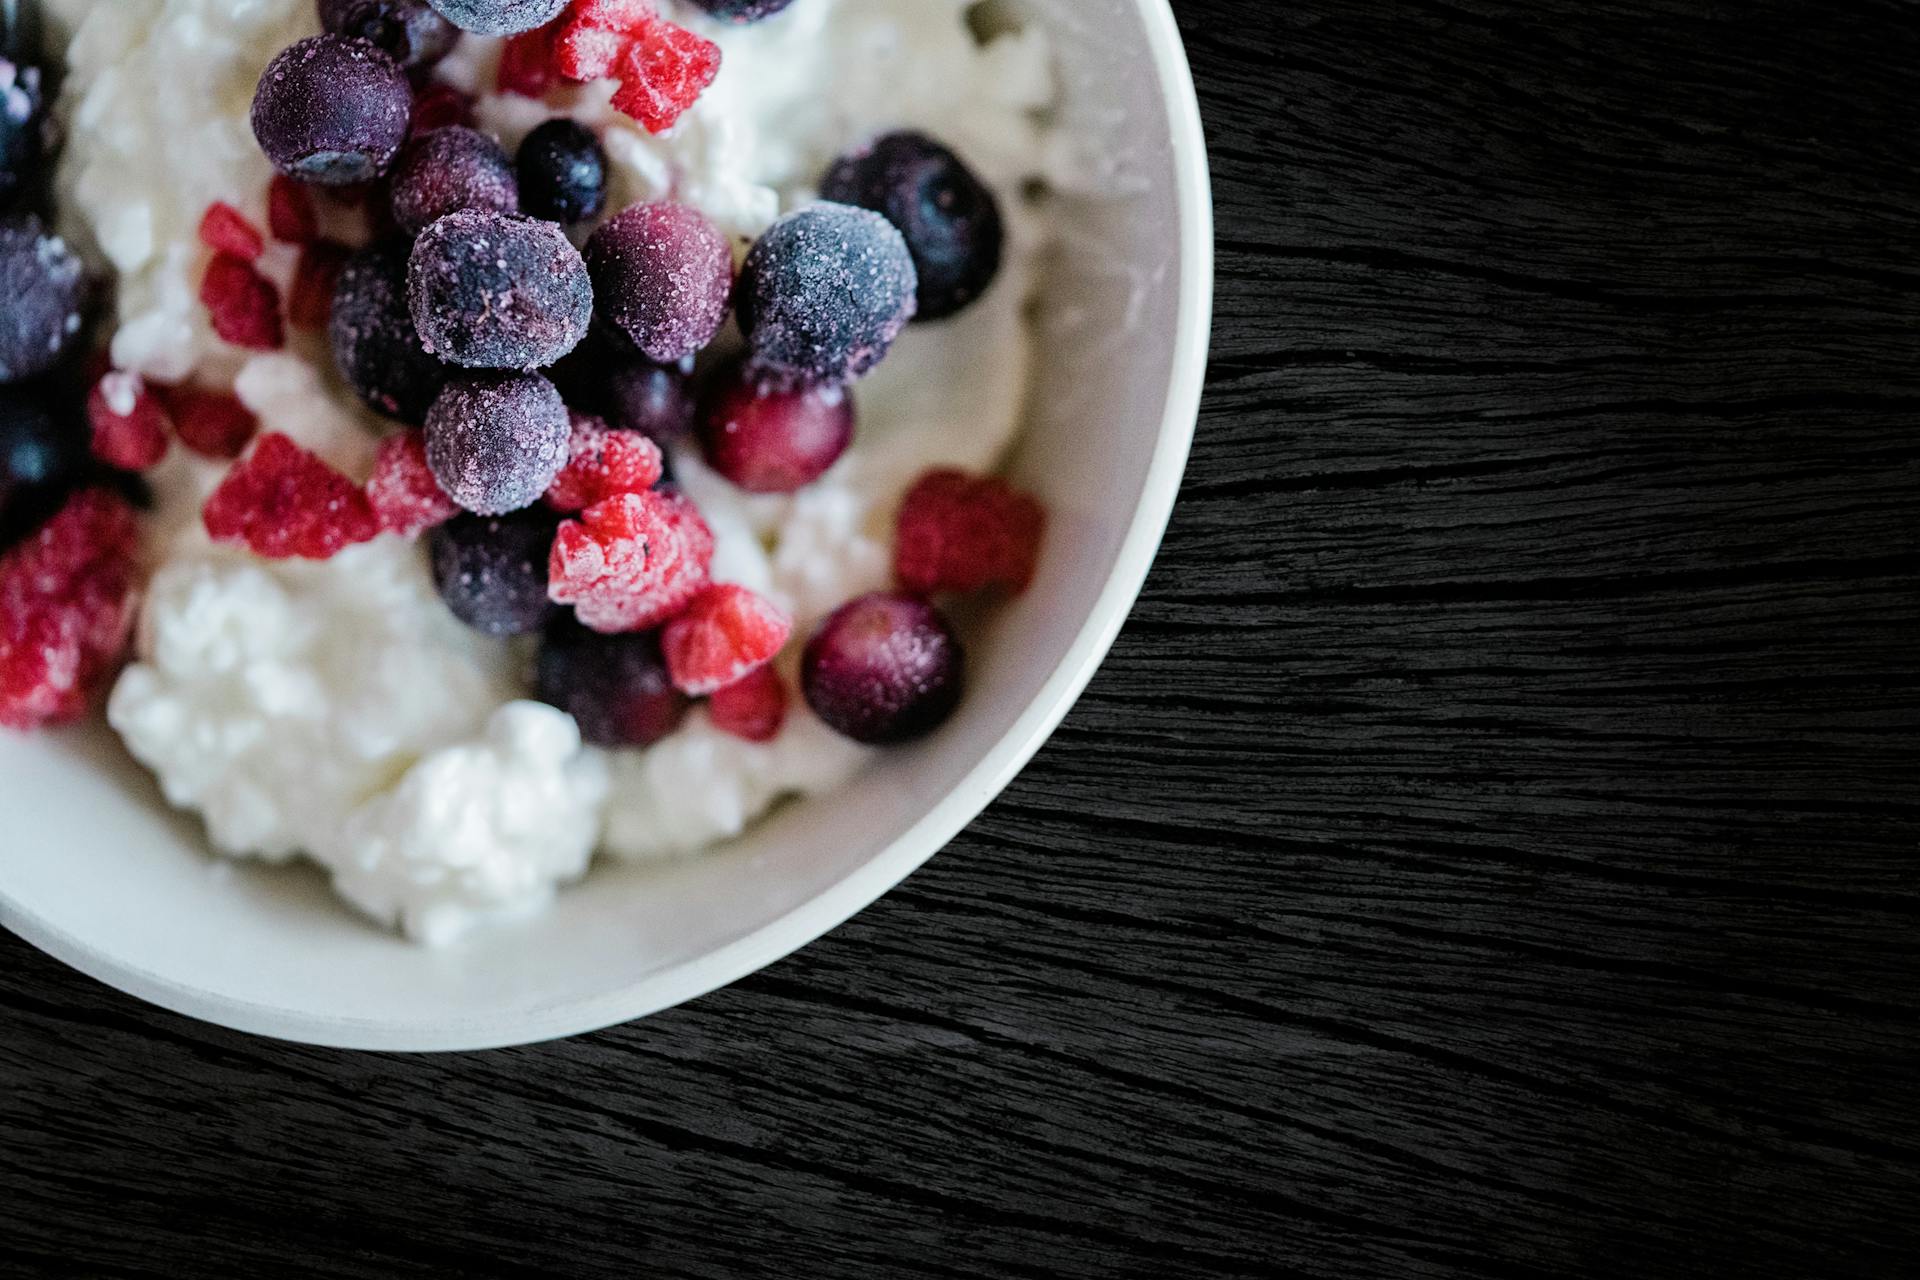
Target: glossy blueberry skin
[(447, 170), (42, 457), (492, 570), (48, 296), (948, 217), (563, 172), (498, 291), (823, 295), (742, 10), (883, 669), (332, 110), (499, 17), (409, 30), (495, 441), (616, 687), (375, 346)]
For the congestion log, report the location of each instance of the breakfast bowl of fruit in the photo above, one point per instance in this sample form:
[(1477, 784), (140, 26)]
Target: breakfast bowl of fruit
[(516, 513)]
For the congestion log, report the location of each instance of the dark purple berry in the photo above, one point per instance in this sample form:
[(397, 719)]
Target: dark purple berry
[(499, 17), (41, 459), (332, 110), (605, 377), (882, 669), (23, 126), (495, 441), (409, 30), (563, 172), (950, 221), (498, 291), (375, 346), (616, 687), (661, 275), (767, 439), (824, 293), (742, 10), (47, 293), (492, 570), (448, 170)]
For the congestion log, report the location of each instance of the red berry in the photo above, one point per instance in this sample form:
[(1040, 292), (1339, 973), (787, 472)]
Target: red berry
[(768, 440), (724, 634), (664, 72), (211, 423), (965, 533), (405, 497), (290, 213), (526, 64), (753, 707), (282, 502), (66, 609), (129, 422), (585, 52), (224, 229), (244, 304), (631, 562), (603, 463), (310, 303), (440, 106)]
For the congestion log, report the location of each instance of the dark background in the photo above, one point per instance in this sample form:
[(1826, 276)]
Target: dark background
[(1490, 851)]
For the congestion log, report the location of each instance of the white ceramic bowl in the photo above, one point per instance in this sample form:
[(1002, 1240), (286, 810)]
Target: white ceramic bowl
[(95, 870)]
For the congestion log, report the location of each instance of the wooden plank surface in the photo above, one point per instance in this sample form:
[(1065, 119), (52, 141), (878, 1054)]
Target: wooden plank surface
[(1493, 849)]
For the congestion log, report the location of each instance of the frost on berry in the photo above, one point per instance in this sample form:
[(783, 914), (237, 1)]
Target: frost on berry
[(959, 532), (405, 497), (243, 304), (213, 424), (128, 421), (664, 72), (603, 463), (724, 634), (631, 562), (282, 502), (753, 707), (66, 610)]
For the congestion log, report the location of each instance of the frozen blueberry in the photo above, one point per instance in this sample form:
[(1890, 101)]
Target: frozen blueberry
[(41, 458), (23, 126), (661, 275), (495, 441), (742, 10), (824, 293), (950, 221), (884, 668), (448, 170), (499, 17), (332, 110), (563, 172), (498, 291), (773, 440), (47, 294), (604, 376), (375, 346), (492, 570), (616, 687), (409, 30)]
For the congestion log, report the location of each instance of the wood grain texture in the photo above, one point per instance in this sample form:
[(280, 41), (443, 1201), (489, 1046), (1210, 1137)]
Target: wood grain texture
[(1490, 850)]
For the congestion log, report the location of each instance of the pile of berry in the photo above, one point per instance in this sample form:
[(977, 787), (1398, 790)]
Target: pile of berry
[(534, 384)]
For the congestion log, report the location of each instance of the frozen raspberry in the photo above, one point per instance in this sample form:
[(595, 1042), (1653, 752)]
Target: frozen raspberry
[(66, 610), (405, 497), (498, 291), (332, 110), (965, 533), (725, 633), (440, 106), (563, 172), (224, 229), (243, 304), (317, 275), (616, 687), (662, 73), (631, 562), (662, 274), (291, 218), (824, 293), (582, 52), (526, 64), (409, 30), (451, 169), (768, 440), (47, 296), (41, 458), (753, 707), (211, 423), (129, 422), (601, 464), (282, 502), (492, 570), (882, 669), (375, 346), (497, 440), (949, 218), (742, 10), (499, 17)]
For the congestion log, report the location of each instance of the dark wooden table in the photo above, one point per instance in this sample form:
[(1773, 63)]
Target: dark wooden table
[(1493, 849)]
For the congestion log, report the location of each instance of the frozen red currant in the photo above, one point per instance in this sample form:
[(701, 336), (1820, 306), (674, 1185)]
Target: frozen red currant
[(883, 669), (768, 440)]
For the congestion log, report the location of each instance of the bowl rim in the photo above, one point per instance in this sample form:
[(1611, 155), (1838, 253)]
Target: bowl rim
[(697, 976)]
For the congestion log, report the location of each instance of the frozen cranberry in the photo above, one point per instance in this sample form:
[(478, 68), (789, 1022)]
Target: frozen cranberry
[(495, 441), (563, 172), (824, 293), (499, 17), (661, 275), (375, 346), (616, 687), (883, 669), (448, 170), (47, 296), (492, 570), (768, 440), (409, 30), (332, 110), (497, 291)]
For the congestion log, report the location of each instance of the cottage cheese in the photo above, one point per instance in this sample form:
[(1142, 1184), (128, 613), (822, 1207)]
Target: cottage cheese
[(337, 710)]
